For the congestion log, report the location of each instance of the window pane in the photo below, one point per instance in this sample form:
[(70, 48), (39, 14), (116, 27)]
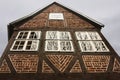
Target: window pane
[(18, 45), (100, 46), (22, 35), (51, 45), (64, 35), (66, 46), (32, 45), (51, 35), (35, 35), (94, 36), (82, 35), (86, 46)]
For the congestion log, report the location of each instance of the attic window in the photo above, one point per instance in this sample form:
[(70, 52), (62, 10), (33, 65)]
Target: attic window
[(26, 41), (58, 41), (56, 16)]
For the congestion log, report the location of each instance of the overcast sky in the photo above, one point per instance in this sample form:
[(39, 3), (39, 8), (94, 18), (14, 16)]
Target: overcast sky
[(104, 11)]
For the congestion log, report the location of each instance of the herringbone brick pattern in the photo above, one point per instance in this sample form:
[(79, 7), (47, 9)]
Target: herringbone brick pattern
[(61, 62)]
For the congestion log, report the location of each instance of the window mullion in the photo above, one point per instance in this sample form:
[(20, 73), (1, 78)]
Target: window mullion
[(59, 47), (18, 35), (24, 47), (29, 32)]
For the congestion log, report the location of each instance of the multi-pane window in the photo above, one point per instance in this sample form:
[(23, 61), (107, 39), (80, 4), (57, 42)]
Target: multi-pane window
[(58, 41), (26, 41), (90, 41)]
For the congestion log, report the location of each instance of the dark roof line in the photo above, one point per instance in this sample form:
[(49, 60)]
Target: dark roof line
[(42, 8)]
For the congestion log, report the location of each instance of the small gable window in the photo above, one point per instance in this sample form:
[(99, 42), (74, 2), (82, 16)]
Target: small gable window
[(58, 41), (26, 41), (56, 16)]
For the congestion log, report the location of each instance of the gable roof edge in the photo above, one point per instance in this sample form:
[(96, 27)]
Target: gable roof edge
[(42, 8)]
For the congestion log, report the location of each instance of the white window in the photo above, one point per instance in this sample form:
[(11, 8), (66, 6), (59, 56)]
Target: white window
[(25, 45), (18, 45), (51, 45), (22, 35), (64, 35), (32, 45), (82, 35), (86, 46), (90, 41), (34, 35), (100, 46), (56, 16), (29, 35), (58, 41), (66, 46), (52, 35), (26, 41), (94, 36)]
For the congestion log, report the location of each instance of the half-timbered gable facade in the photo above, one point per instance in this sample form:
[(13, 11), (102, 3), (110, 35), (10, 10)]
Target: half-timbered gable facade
[(57, 43)]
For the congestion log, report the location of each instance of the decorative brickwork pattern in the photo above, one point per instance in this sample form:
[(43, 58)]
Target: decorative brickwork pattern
[(24, 63), (42, 20), (116, 67), (46, 68), (76, 67), (96, 63), (61, 62), (4, 67)]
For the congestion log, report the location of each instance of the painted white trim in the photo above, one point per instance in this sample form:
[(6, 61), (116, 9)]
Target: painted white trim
[(25, 45), (56, 16), (107, 50)]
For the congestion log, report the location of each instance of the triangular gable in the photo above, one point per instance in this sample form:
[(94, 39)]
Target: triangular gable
[(46, 68), (42, 20), (116, 67), (76, 68), (39, 19), (4, 67)]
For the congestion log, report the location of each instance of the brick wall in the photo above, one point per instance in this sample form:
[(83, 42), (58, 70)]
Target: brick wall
[(4, 67), (70, 20), (24, 63), (61, 62), (116, 67), (96, 63)]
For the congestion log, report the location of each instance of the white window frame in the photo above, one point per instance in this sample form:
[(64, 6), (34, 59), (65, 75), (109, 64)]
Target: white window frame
[(91, 40), (46, 45), (47, 35), (95, 34), (29, 32), (37, 41), (107, 50), (56, 16), (27, 39), (71, 45), (80, 45), (64, 32), (59, 40), (24, 46), (81, 33)]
